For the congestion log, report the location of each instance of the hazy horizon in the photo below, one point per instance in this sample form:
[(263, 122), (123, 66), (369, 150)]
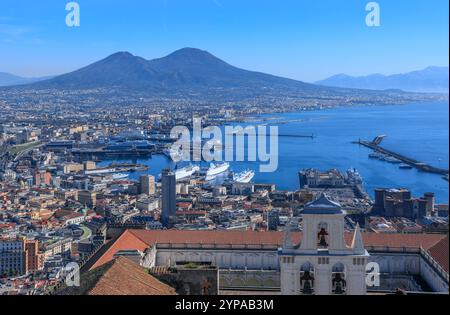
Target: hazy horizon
[(303, 40), (299, 79)]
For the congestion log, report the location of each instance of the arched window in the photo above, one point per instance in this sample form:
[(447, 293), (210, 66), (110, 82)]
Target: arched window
[(322, 235), (307, 278), (339, 282)]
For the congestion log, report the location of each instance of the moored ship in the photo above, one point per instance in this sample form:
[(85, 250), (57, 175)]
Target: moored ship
[(186, 172), (216, 169), (119, 176), (354, 177), (244, 177)]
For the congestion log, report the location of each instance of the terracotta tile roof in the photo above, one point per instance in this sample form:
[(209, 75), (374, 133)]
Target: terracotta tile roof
[(440, 253), (209, 237), (142, 239), (126, 241), (425, 241), (276, 238), (125, 277), (120, 276)]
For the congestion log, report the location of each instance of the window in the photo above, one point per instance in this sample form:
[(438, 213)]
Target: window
[(324, 260), (322, 235), (307, 279), (338, 278)]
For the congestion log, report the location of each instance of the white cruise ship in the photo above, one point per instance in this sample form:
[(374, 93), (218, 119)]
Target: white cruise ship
[(175, 155), (119, 176), (216, 169), (244, 177), (185, 172)]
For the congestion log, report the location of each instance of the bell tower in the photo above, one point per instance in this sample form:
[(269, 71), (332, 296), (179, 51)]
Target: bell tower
[(323, 263)]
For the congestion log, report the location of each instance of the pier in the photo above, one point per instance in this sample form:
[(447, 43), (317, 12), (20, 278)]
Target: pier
[(296, 136), (375, 145), (113, 153), (281, 135)]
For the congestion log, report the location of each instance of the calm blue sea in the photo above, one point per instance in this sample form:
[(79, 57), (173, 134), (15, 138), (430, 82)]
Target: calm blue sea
[(420, 131)]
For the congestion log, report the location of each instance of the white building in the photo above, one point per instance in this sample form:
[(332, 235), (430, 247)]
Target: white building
[(322, 263), (322, 260)]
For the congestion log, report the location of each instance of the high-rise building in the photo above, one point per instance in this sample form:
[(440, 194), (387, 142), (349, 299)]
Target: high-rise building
[(169, 195), (147, 185), (430, 198)]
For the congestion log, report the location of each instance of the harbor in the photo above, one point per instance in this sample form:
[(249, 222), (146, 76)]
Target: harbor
[(375, 145), (341, 152)]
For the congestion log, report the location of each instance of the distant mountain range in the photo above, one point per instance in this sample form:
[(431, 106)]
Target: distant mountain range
[(188, 74), (186, 69), (8, 79), (431, 79)]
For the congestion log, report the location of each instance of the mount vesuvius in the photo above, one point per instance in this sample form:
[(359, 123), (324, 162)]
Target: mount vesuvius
[(186, 69)]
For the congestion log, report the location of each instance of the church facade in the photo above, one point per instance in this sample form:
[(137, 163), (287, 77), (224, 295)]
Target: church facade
[(322, 263), (322, 259)]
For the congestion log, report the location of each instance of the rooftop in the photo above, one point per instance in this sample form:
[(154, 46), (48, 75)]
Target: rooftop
[(119, 277), (143, 239)]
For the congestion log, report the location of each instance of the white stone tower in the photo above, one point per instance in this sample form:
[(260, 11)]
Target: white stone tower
[(323, 264)]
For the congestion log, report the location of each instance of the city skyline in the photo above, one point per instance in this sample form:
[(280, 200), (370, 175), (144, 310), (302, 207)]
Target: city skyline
[(242, 149), (296, 40)]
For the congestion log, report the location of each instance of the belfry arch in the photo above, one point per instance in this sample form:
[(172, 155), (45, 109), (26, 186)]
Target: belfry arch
[(324, 262)]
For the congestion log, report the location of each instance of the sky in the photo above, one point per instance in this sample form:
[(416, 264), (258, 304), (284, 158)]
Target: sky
[(306, 40)]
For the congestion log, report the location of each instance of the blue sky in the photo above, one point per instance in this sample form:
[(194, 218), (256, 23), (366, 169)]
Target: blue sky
[(301, 39)]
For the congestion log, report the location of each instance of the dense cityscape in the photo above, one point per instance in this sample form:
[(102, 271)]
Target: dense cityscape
[(130, 166), (58, 206)]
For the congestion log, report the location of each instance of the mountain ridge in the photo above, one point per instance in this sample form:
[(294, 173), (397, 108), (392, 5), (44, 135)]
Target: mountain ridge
[(188, 68), (429, 79), (9, 79)]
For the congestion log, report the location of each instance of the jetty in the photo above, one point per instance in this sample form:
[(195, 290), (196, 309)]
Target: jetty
[(375, 145)]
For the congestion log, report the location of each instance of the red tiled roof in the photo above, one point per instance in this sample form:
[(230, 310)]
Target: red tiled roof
[(142, 239), (126, 241), (209, 237), (425, 241), (440, 254), (125, 277)]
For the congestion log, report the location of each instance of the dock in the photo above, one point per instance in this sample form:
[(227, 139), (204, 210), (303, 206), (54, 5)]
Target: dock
[(375, 145), (281, 135), (296, 136), (113, 153)]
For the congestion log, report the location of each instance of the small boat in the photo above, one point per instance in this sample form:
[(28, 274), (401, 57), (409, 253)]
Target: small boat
[(392, 160), (405, 167)]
